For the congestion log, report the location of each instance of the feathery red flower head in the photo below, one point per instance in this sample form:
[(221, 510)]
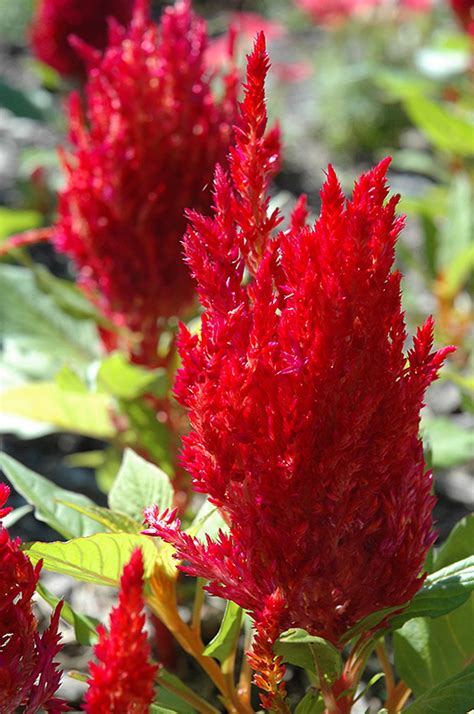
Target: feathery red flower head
[(122, 680), (28, 674), (464, 10), (144, 152), (56, 21), (304, 409)]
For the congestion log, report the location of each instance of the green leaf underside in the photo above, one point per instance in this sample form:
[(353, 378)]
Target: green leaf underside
[(454, 696), (97, 559), (67, 409), (46, 497), (139, 484), (315, 654), (31, 315), (111, 520), (221, 646), (84, 626)]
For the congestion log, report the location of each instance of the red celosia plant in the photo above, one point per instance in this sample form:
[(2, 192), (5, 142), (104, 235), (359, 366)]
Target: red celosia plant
[(122, 680), (464, 10), (304, 408), (143, 151), (29, 676), (335, 11), (56, 21)]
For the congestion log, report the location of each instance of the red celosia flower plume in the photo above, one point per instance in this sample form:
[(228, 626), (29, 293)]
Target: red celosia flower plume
[(464, 10), (122, 680), (144, 152), (56, 21), (304, 409), (29, 676)]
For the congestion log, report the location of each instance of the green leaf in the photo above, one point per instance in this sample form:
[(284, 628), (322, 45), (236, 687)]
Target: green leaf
[(45, 496), (84, 626), (78, 412), (221, 646), (111, 520), (139, 484), (207, 523), (170, 697), (448, 131), (453, 696), (32, 316), (67, 296), (97, 559), (450, 443), (156, 709), (458, 546), (13, 220), (429, 651), (19, 103), (9, 520), (122, 379), (442, 592), (315, 654), (146, 431), (311, 703)]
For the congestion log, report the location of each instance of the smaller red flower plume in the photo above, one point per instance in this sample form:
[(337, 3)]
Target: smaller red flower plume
[(55, 21), (29, 676), (122, 680), (304, 408), (464, 10), (143, 153)]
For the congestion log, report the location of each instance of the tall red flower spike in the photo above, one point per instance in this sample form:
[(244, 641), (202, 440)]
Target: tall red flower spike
[(29, 676), (464, 10), (122, 680), (304, 409), (144, 151), (56, 21)]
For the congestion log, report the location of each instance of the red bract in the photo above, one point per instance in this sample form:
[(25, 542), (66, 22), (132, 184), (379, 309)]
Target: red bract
[(122, 680), (56, 21), (304, 409), (144, 151), (28, 674)]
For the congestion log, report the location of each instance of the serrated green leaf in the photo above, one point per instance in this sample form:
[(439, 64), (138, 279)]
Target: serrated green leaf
[(139, 484), (311, 703), (78, 412), (122, 379), (111, 520), (298, 647), (453, 696), (32, 316), (84, 626), (45, 496), (97, 559), (221, 646)]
